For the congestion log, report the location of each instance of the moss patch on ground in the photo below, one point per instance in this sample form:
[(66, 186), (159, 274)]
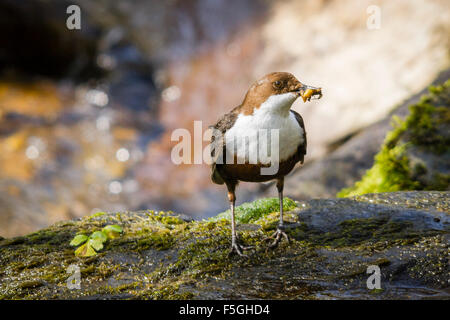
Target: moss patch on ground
[(401, 164), (252, 211)]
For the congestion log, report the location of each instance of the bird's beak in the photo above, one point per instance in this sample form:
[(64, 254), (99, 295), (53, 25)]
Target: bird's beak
[(308, 92)]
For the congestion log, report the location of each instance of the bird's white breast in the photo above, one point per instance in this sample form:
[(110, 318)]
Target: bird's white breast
[(272, 114)]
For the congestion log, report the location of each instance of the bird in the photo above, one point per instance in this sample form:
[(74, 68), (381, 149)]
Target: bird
[(242, 137)]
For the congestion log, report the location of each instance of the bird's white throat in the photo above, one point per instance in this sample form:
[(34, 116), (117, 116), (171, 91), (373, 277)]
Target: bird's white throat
[(244, 138), (279, 103)]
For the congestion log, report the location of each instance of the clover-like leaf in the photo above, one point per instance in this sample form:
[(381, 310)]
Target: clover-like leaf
[(97, 244), (78, 240), (85, 250), (112, 231), (99, 236)]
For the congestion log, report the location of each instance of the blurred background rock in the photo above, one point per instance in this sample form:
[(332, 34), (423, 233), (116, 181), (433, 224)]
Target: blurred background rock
[(86, 115)]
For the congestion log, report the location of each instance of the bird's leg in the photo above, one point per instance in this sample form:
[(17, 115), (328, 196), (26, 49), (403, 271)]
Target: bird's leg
[(279, 233), (235, 246)]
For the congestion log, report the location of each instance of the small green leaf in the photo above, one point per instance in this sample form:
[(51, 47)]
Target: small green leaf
[(85, 251), (99, 235), (112, 231), (97, 244), (79, 239)]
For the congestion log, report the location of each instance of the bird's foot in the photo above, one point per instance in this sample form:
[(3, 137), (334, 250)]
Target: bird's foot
[(278, 235), (237, 248)]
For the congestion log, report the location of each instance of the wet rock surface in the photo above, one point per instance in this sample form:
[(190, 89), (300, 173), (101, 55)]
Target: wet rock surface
[(167, 256)]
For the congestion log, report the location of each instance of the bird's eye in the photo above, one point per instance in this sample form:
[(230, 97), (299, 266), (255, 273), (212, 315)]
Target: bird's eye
[(277, 84)]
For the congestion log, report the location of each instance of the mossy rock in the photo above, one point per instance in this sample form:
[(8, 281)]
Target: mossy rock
[(416, 153), (163, 255)]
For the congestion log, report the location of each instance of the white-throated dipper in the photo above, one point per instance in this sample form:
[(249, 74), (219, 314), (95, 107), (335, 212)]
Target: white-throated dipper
[(261, 140)]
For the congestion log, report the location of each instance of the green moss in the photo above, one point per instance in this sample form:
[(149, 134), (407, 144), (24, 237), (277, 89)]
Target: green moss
[(48, 236), (426, 129), (271, 220), (97, 214), (390, 173), (441, 181), (31, 284), (167, 292), (376, 291), (160, 240), (166, 218), (252, 211)]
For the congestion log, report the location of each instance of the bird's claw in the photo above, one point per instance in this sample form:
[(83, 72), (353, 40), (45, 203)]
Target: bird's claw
[(277, 236), (237, 248)]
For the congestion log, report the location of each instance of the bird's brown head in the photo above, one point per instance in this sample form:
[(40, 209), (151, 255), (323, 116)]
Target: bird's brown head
[(280, 88)]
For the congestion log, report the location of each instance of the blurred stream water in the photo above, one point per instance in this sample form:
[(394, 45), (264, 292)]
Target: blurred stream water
[(80, 127)]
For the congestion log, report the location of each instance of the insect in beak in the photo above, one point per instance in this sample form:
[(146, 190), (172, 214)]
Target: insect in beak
[(308, 92)]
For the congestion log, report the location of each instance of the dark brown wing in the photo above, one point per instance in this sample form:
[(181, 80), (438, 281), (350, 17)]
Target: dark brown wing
[(218, 144), (301, 148)]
